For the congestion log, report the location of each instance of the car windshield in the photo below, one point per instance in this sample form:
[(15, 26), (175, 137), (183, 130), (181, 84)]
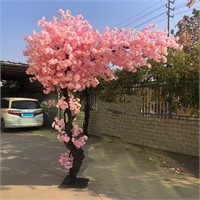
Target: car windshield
[(25, 104)]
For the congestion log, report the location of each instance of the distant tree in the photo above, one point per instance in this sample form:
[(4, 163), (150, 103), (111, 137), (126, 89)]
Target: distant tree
[(116, 90), (190, 3), (179, 77), (188, 30)]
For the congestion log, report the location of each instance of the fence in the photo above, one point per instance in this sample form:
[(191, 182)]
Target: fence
[(159, 103), (124, 121)]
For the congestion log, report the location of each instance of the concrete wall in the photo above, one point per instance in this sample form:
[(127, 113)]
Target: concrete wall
[(124, 121)]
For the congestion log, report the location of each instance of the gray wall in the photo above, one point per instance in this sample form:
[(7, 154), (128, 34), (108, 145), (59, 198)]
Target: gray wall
[(124, 121)]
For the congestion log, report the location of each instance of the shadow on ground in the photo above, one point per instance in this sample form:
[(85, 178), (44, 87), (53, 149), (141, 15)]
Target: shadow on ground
[(118, 171), (29, 157)]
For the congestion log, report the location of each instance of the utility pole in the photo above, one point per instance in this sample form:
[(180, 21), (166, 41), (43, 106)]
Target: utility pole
[(168, 5), (170, 98)]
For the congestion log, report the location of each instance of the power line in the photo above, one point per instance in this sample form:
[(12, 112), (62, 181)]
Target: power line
[(184, 5), (168, 16), (137, 19), (174, 14), (167, 12), (185, 11), (180, 6), (161, 20), (138, 14), (150, 19)]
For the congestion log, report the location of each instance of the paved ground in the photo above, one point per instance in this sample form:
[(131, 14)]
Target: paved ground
[(30, 170)]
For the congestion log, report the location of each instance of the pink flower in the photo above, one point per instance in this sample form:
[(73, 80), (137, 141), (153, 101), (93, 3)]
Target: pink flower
[(66, 160), (51, 102), (66, 139), (80, 141), (69, 54), (59, 125), (58, 128), (53, 124), (76, 131), (62, 103)]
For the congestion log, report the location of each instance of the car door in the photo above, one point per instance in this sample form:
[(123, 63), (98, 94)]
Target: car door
[(4, 109)]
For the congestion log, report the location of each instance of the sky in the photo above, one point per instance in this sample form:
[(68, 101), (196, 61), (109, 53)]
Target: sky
[(19, 18)]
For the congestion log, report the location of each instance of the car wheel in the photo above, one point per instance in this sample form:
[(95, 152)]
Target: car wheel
[(3, 128)]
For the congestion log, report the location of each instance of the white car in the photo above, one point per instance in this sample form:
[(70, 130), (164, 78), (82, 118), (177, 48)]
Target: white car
[(20, 112)]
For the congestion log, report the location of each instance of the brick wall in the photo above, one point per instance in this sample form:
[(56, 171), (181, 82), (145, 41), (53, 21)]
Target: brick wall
[(124, 121)]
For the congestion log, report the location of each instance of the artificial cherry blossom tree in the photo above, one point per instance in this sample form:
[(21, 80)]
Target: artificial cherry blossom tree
[(68, 55)]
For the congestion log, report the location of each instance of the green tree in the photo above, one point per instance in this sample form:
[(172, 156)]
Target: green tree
[(188, 30), (179, 77), (116, 90)]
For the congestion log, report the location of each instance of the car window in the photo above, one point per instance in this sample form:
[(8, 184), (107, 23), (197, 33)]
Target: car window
[(25, 104), (4, 103)]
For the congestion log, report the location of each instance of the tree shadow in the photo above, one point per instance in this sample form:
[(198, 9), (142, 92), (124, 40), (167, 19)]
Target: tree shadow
[(115, 171), (189, 164), (123, 172)]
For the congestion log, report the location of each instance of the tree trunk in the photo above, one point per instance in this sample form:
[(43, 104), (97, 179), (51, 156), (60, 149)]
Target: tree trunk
[(77, 154), (87, 112)]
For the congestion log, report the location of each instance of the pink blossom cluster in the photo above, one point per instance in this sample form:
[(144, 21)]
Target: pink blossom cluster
[(76, 130), (62, 103), (62, 50), (74, 104), (79, 142), (66, 160), (63, 137), (50, 102), (59, 125), (69, 53), (133, 50)]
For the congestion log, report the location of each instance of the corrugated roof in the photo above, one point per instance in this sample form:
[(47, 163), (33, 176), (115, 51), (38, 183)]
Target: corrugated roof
[(13, 70)]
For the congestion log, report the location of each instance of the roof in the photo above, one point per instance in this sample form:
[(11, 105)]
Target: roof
[(13, 70), (19, 99)]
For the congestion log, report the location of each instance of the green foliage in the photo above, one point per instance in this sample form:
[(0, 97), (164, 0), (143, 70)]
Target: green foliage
[(188, 30), (116, 90), (179, 77)]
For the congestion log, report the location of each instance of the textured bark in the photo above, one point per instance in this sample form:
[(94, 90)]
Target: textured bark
[(87, 112), (77, 154)]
